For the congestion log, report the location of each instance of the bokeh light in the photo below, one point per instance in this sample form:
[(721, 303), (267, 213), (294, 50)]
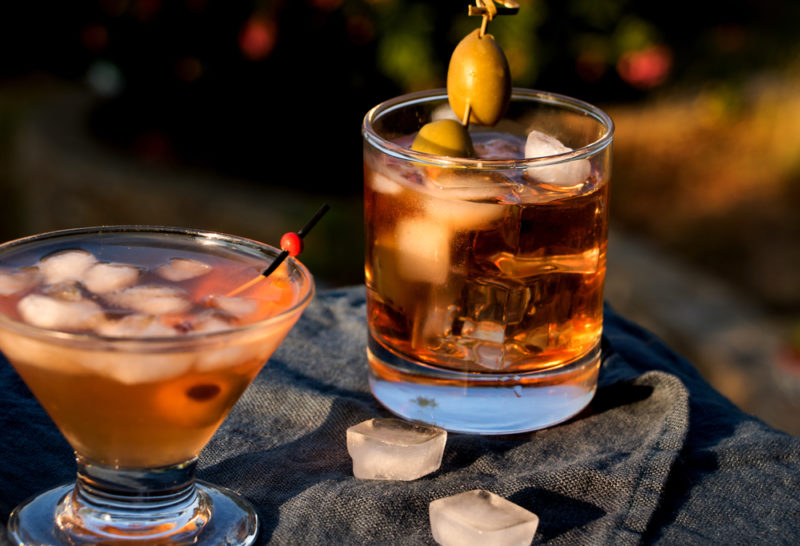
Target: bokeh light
[(258, 37)]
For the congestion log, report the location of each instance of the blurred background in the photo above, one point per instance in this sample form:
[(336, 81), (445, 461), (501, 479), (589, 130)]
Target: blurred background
[(245, 116)]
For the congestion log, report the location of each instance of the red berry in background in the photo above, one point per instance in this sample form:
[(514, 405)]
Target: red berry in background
[(292, 243), (257, 38)]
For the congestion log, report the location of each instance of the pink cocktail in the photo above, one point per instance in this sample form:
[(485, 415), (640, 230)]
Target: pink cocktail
[(128, 337)]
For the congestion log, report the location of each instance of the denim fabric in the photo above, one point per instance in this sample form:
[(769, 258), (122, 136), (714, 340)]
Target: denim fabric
[(657, 457)]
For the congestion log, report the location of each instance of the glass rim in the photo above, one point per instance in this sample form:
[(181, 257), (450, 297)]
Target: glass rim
[(154, 344), (545, 97)]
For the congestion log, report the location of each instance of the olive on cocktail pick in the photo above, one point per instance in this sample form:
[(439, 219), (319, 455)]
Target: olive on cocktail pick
[(478, 87), (478, 80), (445, 137)]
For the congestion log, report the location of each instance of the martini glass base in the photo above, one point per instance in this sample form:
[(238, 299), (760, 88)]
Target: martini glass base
[(233, 521)]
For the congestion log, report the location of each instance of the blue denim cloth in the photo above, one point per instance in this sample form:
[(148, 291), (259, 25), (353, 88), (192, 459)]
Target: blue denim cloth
[(657, 457)]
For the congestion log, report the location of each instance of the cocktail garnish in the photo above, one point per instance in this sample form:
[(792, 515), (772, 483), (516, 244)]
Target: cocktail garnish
[(291, 244), (478, 86)]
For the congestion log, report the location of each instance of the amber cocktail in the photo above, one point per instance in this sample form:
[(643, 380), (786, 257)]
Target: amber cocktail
[(485, 274), (128, 337)]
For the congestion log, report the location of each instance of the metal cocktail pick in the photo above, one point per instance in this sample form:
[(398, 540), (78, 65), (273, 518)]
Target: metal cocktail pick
[(487, 9), (291, 244)]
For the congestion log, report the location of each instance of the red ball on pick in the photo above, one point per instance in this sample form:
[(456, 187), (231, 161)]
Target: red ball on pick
[(292, 243)]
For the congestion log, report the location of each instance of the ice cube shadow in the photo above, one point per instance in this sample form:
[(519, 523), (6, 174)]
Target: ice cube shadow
[(557, 513), (614, 396)]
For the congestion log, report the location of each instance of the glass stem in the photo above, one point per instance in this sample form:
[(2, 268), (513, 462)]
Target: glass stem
[(110, 502)]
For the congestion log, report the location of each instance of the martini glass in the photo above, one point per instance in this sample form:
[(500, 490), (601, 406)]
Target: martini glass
[(128, 337)]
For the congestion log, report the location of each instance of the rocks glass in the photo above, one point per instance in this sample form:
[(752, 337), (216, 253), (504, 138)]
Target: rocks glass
[(485, 276)]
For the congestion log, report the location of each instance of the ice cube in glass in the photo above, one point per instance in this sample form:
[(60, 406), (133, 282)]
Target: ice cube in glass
[(393, 449), (238, 307), (139, 325), (152, 299), (423, 250), (65, 265), (13, 281), (182, 269), (480, 517), (102, 278), (57, 313), (569, 173)]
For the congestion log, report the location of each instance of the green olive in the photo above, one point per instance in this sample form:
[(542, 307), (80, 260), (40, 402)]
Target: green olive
[(444, 137), (479, 78)]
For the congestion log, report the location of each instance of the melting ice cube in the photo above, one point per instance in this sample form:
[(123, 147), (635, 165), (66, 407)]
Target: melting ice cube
[(212, 320), (62, 314), (384, 184), (443, 112), (238, 307), (457, 200), (152, 299), (480, 517), (138, 325), (65, 265), (523, 266), (13, 281), (182, 269), (570, 173), (393, 449), (233, 354), (102, 278), (143, 367), (463, 185), (434, 318), (423, 250)]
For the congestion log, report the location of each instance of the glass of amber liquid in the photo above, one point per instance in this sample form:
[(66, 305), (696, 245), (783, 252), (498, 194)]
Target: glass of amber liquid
[(485, 276), (130, 339)]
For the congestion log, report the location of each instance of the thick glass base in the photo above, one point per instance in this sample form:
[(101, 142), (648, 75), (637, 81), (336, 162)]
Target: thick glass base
[(220, 517), (477, 403)]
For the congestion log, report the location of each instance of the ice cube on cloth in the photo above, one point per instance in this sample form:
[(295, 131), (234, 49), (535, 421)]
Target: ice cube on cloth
[(480, 517), (182, 269), (393, 449), (569, 173)]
